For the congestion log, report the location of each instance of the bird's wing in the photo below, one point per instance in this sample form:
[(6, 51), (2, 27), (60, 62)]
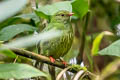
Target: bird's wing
[(49, 46)]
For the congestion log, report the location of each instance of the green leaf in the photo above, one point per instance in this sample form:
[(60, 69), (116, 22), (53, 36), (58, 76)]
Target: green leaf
[(41, 14), (9, 21), (32, 16), (80, 8), (9, 32), (112, 50), (9, 8), (96, 43), (19, 71), (48, 10), (8, 53)]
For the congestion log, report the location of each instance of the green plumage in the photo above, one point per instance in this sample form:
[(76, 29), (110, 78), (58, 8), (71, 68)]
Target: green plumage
[(59, 46)]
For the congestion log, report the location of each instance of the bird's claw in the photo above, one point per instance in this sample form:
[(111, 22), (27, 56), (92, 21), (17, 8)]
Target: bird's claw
[(65, 63), (52, 59)]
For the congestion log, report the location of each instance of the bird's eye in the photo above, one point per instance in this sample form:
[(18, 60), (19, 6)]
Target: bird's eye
[(62, 15)]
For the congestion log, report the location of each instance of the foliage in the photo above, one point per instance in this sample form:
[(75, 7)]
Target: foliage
[(48, 10), (10, 8), (18, 71), (96, 35), (8, 53), (14, 30), (97, 41), (80, 8), (29, 16), (113, 48), (77, 67)]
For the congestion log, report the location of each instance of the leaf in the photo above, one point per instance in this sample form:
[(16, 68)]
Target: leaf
[(48, 10), (96, 43), (8, 53), (32, 16), (80, 8), (9, 21), (41, 14), (9, 8), (23, 18), (9, 32), (112, 50), (19, 71)]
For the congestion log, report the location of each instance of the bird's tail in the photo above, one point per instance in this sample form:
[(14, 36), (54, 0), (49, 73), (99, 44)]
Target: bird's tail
[(52, 71), (38, 64)]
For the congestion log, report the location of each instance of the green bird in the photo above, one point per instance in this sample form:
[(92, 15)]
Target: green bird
[(58, 46)]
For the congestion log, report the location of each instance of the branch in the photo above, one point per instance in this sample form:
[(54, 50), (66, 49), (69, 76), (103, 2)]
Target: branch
[(37, 57), (42, 58)]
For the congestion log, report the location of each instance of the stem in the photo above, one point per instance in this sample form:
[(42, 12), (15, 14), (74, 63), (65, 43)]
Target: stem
[(90, 59), (16, 59), (36, 4), (82, 46)]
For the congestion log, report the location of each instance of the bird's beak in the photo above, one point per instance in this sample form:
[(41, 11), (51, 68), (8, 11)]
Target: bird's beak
[(70, 14)]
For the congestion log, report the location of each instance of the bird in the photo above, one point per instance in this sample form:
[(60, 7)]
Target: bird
[(58, 46)]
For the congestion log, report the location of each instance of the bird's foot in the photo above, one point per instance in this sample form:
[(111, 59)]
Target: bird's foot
[(52, 59), (65, 63)]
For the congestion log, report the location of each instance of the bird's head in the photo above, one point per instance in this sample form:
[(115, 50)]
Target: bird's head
[(61, 16)]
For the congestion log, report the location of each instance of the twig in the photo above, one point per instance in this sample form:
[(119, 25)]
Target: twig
[(62, 72), (91, 74), (79, 74), (16, 59)]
